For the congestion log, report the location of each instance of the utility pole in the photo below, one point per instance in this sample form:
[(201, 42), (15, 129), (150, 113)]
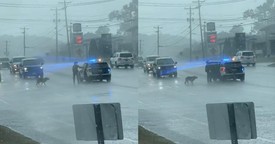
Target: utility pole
[(24, 40), (199, 7), (140, 42), (205, 38), (6, 53), (67, 30), (190, 19), (56, 34), (158, 46)]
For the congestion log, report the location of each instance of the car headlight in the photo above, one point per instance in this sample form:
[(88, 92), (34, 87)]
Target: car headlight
[(14, 65), (159, 68), (109, 70), (148, 65), (41, 67), (175, 66), (25, 69)]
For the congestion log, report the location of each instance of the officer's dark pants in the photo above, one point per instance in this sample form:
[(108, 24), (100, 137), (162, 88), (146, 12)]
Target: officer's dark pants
[(209, 77), (75, 76)]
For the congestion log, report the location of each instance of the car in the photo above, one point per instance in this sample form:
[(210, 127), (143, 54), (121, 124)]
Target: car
[(124, 59), (30, 67), (14, 64), (148, 63), (224, 70), (164, 66), (246, 57), (91, 71), (139, 61), (4, 62)]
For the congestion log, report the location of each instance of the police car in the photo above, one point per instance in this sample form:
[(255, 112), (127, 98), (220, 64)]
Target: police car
[(224, 70), (95, 70)]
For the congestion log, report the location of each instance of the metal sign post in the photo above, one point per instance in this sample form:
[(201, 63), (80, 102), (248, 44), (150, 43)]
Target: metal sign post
[(98, 121), (232, 124)]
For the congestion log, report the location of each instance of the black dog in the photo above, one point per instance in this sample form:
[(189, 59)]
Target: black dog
[(190, 79), (42, 80)]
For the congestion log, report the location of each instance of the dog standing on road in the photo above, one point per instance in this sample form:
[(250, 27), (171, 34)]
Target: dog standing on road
[(41, 80), (190, 79)]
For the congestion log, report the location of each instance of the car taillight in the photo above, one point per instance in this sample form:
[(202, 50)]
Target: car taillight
[(222, 69)]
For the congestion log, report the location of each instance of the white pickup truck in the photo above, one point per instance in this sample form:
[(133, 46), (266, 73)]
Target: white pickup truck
[(124, 59)]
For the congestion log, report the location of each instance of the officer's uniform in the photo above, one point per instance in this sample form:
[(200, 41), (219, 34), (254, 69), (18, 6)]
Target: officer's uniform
[(75, 72)]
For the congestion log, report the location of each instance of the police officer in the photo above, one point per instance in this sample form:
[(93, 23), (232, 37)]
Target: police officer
[(208, 71), (75, 72)]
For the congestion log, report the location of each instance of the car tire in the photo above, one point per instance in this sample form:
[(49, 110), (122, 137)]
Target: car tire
[(112, 66), (242, 79), (253, 64), (108, 79), (132, 66), (175, 75), (125, 67), (157, 75)]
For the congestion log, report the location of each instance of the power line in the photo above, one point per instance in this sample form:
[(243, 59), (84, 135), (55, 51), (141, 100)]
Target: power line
[(181, 38)]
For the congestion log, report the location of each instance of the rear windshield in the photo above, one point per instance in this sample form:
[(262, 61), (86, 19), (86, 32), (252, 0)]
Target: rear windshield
[(233, 64), (151, 58), (4, 59), (17, 59), (165, 62), (32, 62), (248, 53), (125, 55), (99, 65)]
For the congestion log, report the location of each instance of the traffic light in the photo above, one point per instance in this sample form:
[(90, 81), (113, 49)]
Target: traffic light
[(78, 38), (240, 41), (211, 37)]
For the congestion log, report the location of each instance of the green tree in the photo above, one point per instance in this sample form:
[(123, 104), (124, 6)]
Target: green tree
[(264, 13), (102, 30), (128, 17)]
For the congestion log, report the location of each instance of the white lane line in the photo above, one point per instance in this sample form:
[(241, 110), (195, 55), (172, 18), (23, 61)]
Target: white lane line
[(131, 140), (3, 101), (266, 140), (62, 122), (205, 124), (196, 121)]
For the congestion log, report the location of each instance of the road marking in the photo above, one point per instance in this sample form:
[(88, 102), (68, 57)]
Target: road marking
[(131, 140), (196, 121), (266, 140), (5, 102)]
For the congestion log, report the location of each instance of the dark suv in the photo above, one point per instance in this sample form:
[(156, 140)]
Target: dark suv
[(164, 66), (95, 71), (4, 62), (224, 70), (14, 64), (30, 67)]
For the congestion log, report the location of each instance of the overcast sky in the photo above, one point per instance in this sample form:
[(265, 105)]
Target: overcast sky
[(172, 15), (37, 15)]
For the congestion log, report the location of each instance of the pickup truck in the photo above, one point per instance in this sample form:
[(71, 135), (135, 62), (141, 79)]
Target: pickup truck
[(224, 70)]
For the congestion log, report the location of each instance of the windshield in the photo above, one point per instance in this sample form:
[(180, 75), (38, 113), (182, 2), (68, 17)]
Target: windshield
[(99, 65), (151, 58), (31, 62), (4, 59), (125, 55), (233, 64), (16, 60), (248, 54), (165, 62)]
